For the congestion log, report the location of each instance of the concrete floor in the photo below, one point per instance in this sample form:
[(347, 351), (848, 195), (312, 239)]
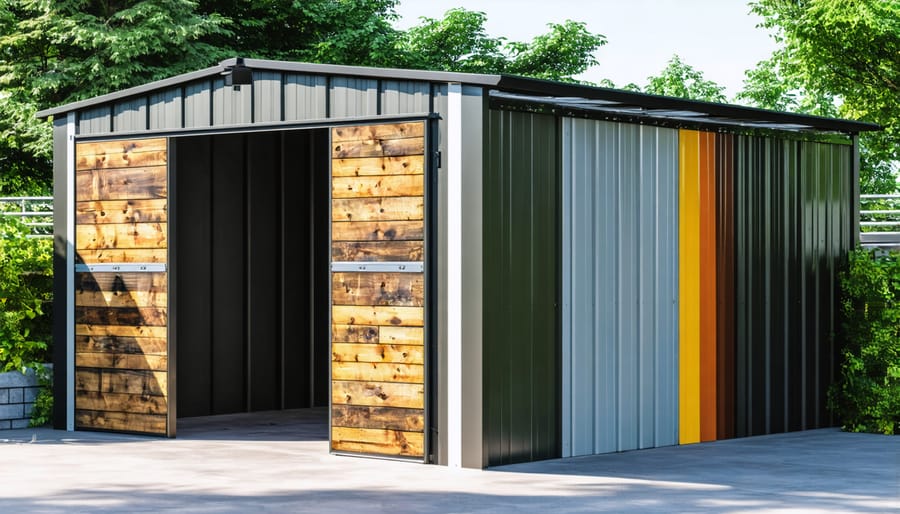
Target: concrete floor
[(279, 462)]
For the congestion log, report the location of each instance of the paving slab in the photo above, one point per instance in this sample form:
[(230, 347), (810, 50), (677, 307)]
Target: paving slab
[(279, 462)]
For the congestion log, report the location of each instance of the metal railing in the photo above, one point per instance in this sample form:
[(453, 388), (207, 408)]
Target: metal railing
[(36, 212), (879, 220)]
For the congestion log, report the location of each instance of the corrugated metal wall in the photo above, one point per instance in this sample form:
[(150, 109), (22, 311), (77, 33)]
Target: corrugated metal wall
[(273, 97), (521, 288), (620, 286)]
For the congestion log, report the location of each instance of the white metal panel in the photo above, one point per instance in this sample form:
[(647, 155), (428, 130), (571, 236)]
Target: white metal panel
[(305, 97), (266, 96), (230, 105), (196, 105), (405, 97), (165, 110), (130, 115), (353, 97), (620, 262), (95, 121)]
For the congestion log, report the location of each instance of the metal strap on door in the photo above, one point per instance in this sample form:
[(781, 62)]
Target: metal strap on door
[(377, 267), (121, 267)]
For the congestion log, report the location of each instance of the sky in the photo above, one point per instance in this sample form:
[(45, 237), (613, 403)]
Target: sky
[(717, 37)]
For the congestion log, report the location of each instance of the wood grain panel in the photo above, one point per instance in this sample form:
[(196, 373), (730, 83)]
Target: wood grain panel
[(117, 255), (120, 160), (87, 380), (123, 147), (382, 394), (378, 372), (354, 334), (378, 231), (365, 166), (133, 382), (120, 299), (370, 186), (378, 315), (130, 282), (378, 289), (121, 184), (134, 316), (123, 235), (378, 251), (401, 208), (378, 148), (121, 421), (367, 352), (122, 211), (137, 345), (120, 331), (385, 418), (378, 132), (122, 361), (384, 442), (402, 335), (92, 400)]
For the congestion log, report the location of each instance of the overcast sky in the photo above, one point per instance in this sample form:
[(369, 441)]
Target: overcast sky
[(718, 37)]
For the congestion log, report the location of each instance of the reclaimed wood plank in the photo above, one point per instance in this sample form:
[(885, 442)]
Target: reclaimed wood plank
[(130, 316), (120, 160), (378, 315), (120, 331), (121, 421), (156, 255), (379, 251), (378, 148), (121, 236), (354, 334), (386, 418), (378, 231), (121, 282), (123, 344), (385, 353), (148, 182), (382, 394), (120, 299), (121, 146), (122, 361), (133, 382), (365, 166), (378, 372), (382, 442), (378, 289), (402, 335), (116, 402), (370, 186), (87, 380), (398, 208), (382, 131), (122, 211)]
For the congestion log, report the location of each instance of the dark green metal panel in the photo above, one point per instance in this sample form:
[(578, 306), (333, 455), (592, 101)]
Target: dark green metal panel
[(793, 204), (521, 288)]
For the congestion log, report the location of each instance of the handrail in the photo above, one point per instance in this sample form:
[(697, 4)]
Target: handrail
[(35, 212), (880, 223)]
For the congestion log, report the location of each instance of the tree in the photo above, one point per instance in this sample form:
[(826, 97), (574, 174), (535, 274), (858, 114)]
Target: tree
[(681, 80), (837, 57)]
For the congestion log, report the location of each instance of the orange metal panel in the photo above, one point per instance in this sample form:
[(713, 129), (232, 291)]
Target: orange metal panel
[(707, 171)]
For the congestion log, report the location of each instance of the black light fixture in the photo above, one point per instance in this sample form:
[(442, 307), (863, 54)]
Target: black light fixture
[(238, 74)]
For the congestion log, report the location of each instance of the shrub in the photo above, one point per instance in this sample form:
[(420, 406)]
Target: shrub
[(26, 289), (867, 395)]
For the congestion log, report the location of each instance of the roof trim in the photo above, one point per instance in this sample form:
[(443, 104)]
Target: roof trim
[(507, 83)]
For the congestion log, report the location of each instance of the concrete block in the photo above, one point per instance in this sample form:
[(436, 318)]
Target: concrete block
[(16, 395), (4, 396), (16, 379), (27, 410), (5, 424), (12, 411), (31, 393), (20, 423)]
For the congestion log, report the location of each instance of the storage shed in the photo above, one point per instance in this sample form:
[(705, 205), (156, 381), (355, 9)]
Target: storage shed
[(469, 270)]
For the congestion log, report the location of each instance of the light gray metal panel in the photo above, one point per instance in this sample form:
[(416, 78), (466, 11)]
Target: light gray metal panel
[(441, 108), (620, 264), (130, 115), (353, 97), (305, 97), (197, 105), (165, 109), (94, 121), (230, 105), (266, 96), (404, 97)]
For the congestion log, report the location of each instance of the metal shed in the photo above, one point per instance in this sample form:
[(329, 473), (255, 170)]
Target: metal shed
[(469, 270)]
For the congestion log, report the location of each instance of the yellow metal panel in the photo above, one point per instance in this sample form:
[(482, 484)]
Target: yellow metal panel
[(689, 286)]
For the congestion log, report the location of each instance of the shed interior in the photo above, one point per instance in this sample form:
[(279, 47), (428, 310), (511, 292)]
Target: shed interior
[(250, 264)]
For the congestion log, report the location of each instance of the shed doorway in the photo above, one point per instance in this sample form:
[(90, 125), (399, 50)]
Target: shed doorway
[(250, 266)]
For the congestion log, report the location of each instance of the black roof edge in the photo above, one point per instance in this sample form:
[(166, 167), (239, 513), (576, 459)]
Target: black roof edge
[(510, 83), (563, 89)]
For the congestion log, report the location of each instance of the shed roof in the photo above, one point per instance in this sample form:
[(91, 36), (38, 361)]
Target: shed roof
[(521, 89)]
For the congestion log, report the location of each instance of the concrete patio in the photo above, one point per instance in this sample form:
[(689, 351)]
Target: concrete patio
[(279, 462)]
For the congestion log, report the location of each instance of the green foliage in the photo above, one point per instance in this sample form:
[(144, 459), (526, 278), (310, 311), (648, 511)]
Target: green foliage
[(837, 57), (681, 80), (25, 297), (42, 411), (459, 42), (867, 396)]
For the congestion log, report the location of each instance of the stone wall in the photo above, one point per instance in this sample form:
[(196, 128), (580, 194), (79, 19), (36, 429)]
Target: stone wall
[(17, 394)]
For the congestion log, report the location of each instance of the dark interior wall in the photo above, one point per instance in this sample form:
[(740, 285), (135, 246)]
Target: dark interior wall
[(251, 248)]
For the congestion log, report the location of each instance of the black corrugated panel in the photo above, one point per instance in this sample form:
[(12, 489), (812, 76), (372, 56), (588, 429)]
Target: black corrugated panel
[(521, 289), (792, 202)]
